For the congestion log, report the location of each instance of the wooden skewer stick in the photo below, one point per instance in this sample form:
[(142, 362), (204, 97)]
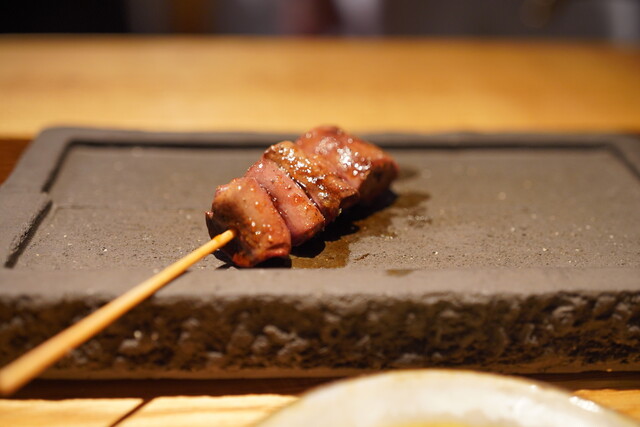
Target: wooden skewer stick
[(22, 370)]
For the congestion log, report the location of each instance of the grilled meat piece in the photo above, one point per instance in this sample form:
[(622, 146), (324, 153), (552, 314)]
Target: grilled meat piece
[(300, 214), (364, 166), (295, 190), (329, 192), (246, 208)]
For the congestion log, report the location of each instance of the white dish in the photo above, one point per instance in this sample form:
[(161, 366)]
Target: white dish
[(442, 398)]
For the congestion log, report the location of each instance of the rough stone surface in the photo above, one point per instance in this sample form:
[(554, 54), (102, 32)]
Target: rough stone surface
[(202, 330), (505, 253)]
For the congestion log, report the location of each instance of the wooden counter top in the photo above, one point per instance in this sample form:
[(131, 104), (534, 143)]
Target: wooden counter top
[(198, 84), (248, 84), (232, 403)]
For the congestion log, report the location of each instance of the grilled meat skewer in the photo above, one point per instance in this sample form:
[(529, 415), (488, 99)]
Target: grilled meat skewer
[(295, 190)]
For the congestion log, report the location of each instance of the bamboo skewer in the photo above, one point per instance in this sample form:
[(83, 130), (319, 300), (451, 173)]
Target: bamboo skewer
[(22, 370)]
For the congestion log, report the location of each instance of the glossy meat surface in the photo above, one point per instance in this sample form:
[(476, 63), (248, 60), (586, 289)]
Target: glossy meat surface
[(329, 192), (364, 166), (300, 214), (246, 208)]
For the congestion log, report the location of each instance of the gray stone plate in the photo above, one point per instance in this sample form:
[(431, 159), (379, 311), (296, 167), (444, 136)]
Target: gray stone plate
[(512, 253)]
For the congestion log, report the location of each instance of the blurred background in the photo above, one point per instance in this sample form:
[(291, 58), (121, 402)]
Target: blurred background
[(612, 20)]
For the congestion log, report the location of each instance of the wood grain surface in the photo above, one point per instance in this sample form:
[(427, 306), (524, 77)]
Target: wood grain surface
[(10, 151), (209, 84), (198, 409), (224, 411), (197, 84), (228, 402)]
